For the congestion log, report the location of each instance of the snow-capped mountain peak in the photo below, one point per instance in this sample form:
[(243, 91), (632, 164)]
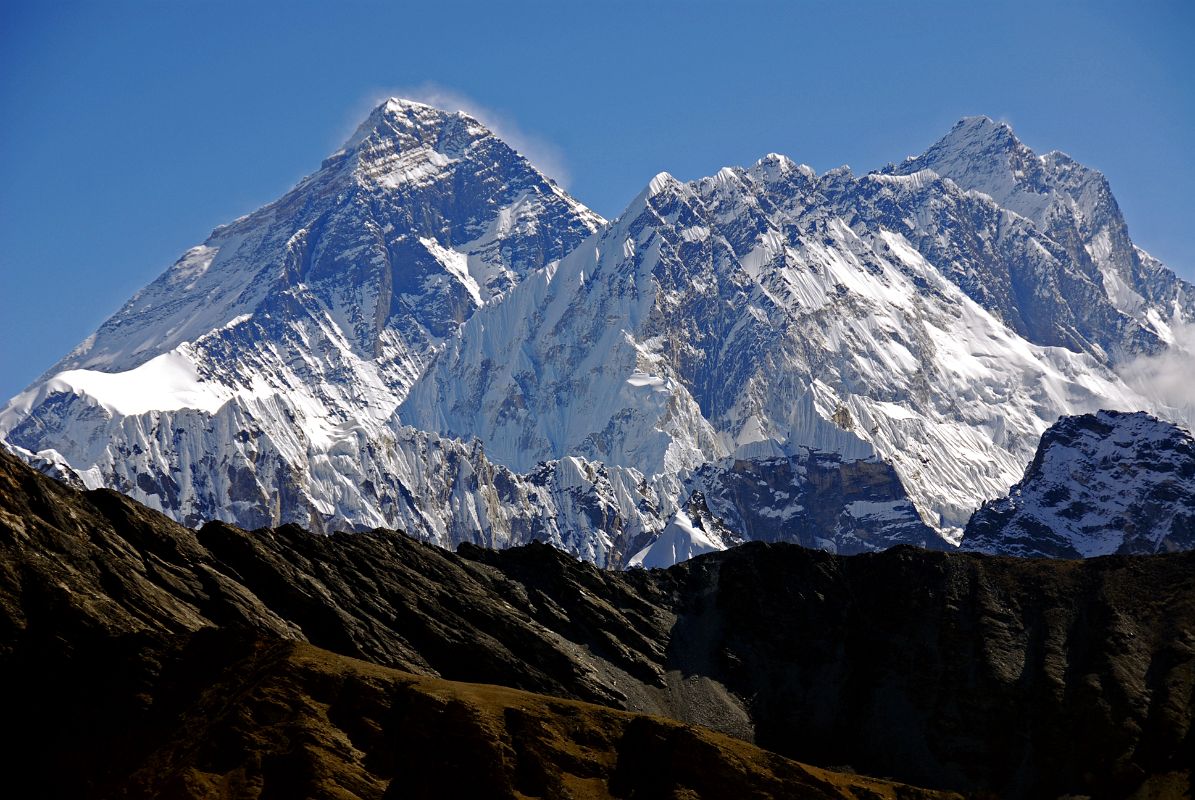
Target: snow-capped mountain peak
[(293, 332), (429, 334), (1112, 299), (403, 140), (762, 312), (984, 155), (1099, 484), (422, 207)]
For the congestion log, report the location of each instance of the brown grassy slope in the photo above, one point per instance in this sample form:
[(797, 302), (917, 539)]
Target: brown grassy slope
[(134, 663), (291, 720)]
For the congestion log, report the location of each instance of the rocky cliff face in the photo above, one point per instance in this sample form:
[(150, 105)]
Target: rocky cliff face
[(1024, 678), (1100, 483), (814, 499)]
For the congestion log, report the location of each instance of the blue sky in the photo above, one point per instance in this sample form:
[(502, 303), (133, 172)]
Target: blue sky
[(128, 130)]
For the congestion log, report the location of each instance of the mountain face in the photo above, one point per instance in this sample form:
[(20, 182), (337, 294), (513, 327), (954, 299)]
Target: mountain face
[(769, 312), (1106, 296), (428, 334), (241, 384), (139, 657), (815, 500), (420, 218), (1100, 483)]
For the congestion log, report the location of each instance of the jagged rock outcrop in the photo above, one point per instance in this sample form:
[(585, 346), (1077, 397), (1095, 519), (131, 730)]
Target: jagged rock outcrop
[(1024, 678), (1100, 483)]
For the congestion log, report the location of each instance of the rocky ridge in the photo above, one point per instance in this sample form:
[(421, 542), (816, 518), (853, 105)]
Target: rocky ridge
[(1100, 483), (355, 729), (1110, 297), (770, 311), (1024, 678)]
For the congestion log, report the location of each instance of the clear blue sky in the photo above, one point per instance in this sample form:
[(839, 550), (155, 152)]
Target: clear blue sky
[(128, 130)]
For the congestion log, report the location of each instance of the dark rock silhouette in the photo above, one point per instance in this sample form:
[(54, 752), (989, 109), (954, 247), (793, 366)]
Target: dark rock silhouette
[(1025, 678)]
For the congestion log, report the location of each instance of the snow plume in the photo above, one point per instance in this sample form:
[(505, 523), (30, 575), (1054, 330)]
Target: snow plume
[(1168, 378), (545, 156)]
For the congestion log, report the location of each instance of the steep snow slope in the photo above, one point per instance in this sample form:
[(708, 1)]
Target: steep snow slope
[(766, 312), (680, 540), (1100, 484)]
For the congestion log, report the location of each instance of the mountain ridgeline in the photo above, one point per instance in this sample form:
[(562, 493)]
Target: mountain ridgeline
[(428, 334), (143, 658)]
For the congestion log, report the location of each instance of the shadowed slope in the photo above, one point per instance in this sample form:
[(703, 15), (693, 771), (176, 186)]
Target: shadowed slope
[(1021, 677), (287, 719)]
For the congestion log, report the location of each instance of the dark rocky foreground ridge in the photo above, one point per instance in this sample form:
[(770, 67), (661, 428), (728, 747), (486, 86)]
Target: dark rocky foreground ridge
[(235, 716), (143, 658)]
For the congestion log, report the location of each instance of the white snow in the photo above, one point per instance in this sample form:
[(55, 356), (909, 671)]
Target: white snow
[(165, 383), (862, 509), (457, 265), (659, 183), (679, 541), (592, 380), (929, 379), (639, 379)]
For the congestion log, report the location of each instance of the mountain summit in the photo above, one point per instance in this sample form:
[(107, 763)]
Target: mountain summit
[(1105, 295), (763, 314), (429, 334), (420, 218), (1099, 484), (224, 388)]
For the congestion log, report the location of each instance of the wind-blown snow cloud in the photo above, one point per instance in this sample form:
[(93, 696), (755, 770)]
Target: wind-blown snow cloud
[(1168, 378), (547, 157)]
